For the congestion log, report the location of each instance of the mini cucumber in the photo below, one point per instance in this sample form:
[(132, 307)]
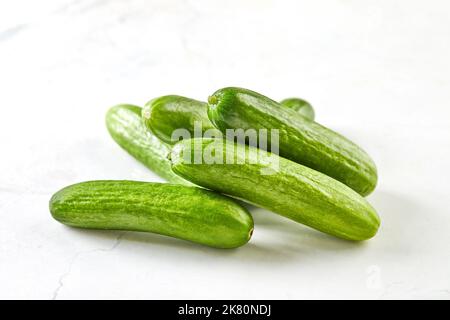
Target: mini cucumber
[(300, 140), (184, 212), (166, 114), (303, 107), (285, 187), (125, 125)]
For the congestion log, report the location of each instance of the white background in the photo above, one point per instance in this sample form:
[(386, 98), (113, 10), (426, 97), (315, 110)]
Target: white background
[(376, 71)]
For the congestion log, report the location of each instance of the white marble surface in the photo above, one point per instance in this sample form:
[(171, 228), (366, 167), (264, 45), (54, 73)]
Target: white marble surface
[(377, 71)]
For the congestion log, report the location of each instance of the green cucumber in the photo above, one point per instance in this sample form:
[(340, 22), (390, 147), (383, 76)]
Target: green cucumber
[(303, 107), (166, 114), (272, 182), (300, 140), (183, 212), (125, 125)]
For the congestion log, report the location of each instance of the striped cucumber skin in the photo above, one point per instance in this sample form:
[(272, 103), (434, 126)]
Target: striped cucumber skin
[(303, 107), (125, 126), (300, 140), (289, 189), (165, 114), (183, 212)]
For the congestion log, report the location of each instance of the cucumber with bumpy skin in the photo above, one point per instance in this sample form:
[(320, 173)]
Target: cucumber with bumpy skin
[(188, 213), (125, 125), (272, 182), (300, 140), (166, 114), (303, 107)]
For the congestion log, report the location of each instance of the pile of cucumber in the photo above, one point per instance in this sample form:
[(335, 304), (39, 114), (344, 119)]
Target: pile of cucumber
[(320, 180)]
